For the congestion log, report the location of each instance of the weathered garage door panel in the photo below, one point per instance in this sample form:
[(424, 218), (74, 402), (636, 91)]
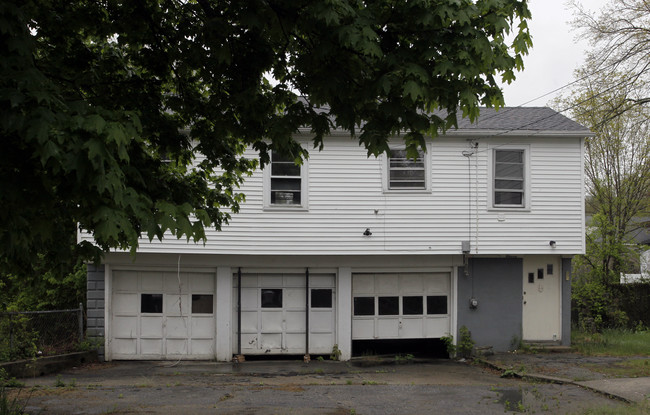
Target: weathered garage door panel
[(273, 316), (158, 315), (401, 306)]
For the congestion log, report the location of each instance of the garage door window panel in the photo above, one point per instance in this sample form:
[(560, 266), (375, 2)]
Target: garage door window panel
[(388, 306), (436, 304), (364, 306), (412, 305), (321, 298), (151, 303), (271, 298), (202, 304)]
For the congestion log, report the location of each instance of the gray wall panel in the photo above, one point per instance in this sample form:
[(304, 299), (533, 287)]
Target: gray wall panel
[(497, 285), (566, 301)]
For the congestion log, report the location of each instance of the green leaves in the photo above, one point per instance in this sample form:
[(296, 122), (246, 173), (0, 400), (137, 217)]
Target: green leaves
[(105, 106)]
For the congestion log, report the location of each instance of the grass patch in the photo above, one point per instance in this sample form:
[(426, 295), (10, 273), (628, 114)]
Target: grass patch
[(612, 343), (639, 409), (631, 368)]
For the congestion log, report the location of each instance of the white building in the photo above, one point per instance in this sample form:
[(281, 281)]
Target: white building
[(479, 231)]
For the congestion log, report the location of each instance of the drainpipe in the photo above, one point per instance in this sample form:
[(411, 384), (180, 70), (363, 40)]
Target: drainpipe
[(307, 311), (239, 311)]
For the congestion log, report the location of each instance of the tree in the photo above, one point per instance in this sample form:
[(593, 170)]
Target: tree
[(620, 38), (130, 118), (617, 172)]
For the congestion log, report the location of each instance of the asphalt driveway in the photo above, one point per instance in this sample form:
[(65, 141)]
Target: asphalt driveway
[(294, 387)]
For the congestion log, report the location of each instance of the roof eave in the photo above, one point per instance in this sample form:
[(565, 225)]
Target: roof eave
[(519, 133), (485, 133)]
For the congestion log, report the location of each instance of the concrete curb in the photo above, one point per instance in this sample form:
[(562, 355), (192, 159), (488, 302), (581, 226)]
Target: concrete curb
[(537, 377)]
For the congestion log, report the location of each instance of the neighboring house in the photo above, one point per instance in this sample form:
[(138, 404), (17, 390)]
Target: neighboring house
[(479, 231), (640, 236)]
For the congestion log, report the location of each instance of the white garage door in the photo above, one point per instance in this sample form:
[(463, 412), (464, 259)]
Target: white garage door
[(162, 315), (273, 318), (400, 306)]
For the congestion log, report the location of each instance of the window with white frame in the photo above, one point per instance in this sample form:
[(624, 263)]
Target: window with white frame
[(509, 178), (286, 182), (406, 173)]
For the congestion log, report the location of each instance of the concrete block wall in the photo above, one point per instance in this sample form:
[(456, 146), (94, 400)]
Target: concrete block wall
[(95, 298)]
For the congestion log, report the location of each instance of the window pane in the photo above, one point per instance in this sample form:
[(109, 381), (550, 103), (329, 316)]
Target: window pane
[(406, 175), (509, 184), (272, 298), (275, 156), (151, 303), (412, 305), (285, 184), (202, 303), (388, 306), (509, 156), (508, 198), (285, 169), (285, 198), (436, 304), (364, 306), (321, 298), (509, 171)]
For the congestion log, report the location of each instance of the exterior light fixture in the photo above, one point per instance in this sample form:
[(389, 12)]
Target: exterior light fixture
[(552, 244), (367, 232)]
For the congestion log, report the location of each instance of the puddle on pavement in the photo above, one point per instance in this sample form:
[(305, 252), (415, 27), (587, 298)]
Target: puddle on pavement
[(511, 399)]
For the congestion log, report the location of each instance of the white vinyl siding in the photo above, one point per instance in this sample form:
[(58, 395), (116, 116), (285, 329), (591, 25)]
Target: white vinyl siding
[(347, 195)]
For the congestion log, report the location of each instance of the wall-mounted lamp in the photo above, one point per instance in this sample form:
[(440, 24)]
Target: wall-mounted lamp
[(552, 244), (367, 232)]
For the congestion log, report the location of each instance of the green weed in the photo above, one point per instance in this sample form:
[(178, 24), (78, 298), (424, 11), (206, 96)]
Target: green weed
[(59, 383)]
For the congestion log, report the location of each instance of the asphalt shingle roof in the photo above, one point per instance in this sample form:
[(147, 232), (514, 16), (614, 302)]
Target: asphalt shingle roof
[(521, 118)]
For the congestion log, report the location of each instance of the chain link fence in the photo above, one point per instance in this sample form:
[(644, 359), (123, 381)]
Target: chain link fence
[(28, 334)]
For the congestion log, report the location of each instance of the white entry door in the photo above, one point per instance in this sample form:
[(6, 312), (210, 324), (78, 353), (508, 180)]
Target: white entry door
[(401, 306), (162, 315), (542, 308)]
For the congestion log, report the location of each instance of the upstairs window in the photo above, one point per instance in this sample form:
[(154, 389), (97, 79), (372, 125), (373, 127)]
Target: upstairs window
[(286, 182), (509, 178), (406, 173)]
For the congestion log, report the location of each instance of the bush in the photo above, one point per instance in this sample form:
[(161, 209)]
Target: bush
[(17, 339), (596, 307)]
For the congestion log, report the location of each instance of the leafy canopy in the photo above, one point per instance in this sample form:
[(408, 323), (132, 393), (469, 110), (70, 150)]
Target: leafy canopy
[(130, 117)]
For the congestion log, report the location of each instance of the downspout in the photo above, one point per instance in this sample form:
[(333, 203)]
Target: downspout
[(306, 312), (239, 311)]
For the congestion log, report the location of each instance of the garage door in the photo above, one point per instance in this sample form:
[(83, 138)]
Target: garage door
[(162, 315), (400, 306), (273, 318)]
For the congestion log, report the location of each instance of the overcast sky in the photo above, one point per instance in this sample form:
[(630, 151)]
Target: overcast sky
[(556, 53)]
